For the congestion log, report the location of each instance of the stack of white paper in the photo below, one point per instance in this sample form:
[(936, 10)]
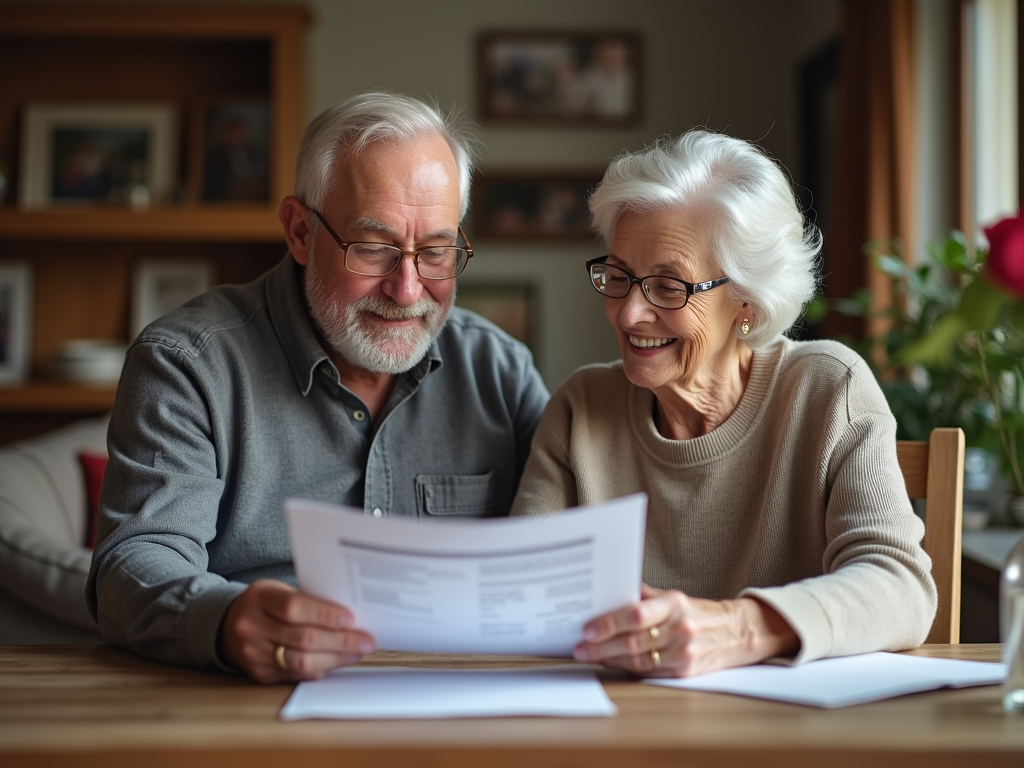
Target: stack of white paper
[(847, 680), (400, 692)]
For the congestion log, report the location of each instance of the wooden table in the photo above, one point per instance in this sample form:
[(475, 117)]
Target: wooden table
[(97, 706)]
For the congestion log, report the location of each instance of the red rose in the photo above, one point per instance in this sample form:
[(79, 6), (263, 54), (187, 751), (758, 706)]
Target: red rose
[(1005, 263)]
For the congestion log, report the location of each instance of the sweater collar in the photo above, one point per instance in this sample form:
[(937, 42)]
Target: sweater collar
[(724, 438)]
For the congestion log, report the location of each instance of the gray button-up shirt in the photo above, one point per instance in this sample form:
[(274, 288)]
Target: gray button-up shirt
[(230, 405)]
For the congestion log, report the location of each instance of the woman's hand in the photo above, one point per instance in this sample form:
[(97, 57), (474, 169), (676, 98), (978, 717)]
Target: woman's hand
[(668, 634)]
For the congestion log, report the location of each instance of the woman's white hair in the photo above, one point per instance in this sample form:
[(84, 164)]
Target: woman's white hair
[(755, 231), (378, 116)]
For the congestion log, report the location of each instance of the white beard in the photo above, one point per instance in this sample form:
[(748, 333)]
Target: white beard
[(352, 332)]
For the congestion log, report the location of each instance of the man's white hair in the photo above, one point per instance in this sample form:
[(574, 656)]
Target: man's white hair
[(378, 116)]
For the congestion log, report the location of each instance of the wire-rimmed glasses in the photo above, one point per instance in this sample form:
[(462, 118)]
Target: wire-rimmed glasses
[(665, 292), (434, 262)]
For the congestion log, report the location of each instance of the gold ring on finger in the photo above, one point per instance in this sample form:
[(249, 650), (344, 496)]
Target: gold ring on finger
[(655, 632), (279, 658), (655, 658)]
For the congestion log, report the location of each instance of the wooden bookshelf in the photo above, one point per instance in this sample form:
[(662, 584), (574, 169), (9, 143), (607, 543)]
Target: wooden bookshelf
[(82, 258)]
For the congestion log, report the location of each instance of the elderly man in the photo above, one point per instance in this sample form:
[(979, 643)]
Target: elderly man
[(342, 375)]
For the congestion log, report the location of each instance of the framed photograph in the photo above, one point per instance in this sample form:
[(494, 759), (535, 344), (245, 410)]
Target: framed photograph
[(509, 305), (530, 206), (15, 321), (97, 153), (572, 78), (230, 157), (163, 286)]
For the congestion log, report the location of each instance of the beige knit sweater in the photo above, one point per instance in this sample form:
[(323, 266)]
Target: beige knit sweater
[(796, 498)]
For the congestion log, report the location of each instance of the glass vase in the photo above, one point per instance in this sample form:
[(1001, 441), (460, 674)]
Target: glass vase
[(1011, 615)]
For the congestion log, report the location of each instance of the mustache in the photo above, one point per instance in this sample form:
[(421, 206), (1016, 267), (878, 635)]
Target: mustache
[(390, 310)]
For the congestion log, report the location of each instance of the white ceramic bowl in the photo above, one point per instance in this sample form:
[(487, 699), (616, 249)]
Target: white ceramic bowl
[(91, 361)]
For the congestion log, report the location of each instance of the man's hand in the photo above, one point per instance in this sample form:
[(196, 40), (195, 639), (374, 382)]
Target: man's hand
[(668, 634), (316, 635)]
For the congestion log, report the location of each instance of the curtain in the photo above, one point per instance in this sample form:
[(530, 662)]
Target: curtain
[(875, 164)]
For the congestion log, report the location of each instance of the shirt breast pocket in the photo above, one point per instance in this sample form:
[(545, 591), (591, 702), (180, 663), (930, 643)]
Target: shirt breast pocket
[(457, 495)]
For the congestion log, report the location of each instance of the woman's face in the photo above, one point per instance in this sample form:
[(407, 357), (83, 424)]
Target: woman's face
[(688, 347)]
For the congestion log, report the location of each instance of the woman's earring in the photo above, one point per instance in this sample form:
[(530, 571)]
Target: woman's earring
[(745, 326)]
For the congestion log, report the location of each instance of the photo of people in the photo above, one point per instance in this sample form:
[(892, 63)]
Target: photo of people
[(236, 151), (96, 163), (560, 76), (524, 207)]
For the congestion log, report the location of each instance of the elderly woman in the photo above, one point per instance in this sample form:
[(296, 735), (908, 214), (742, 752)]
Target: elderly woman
[(778, 523)]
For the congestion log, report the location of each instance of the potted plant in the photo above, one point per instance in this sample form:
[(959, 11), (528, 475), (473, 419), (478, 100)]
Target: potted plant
[(953, 348), (988, 323)]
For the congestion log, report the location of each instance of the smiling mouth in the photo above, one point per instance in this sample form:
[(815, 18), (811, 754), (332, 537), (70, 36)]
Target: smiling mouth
[(648, 343)]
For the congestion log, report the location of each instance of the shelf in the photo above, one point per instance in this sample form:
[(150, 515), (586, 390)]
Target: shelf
[(237, 223), (84, 259), (56, 397)]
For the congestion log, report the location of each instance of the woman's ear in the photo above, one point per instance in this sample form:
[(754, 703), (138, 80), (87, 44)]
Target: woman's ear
[(297, 235)]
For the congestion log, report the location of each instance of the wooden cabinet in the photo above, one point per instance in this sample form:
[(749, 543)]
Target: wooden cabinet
[(83, 256)]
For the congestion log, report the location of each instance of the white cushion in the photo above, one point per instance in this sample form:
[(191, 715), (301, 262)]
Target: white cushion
[(43, 519)]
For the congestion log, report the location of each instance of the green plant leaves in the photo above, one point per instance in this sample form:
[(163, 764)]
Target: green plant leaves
[(936, 347)]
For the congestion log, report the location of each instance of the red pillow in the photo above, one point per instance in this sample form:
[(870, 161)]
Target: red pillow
[(94, 465)]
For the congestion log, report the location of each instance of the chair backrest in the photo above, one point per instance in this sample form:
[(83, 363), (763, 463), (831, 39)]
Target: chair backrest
[(934, 471)]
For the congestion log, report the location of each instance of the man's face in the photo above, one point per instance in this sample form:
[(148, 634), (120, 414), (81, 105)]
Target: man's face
[(404, 195)]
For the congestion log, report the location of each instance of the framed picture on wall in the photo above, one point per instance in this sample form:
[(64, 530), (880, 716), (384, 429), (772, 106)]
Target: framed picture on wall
[(230, 157), (160, 287), (560, 77), (530, 206), (96, 153), (15, 321), (509, 305)]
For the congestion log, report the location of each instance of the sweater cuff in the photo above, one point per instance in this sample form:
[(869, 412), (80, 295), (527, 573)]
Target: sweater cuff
[(804, 614)]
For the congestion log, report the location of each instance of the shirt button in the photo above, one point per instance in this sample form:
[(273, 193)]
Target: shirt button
[(359, 415), (377, 512)]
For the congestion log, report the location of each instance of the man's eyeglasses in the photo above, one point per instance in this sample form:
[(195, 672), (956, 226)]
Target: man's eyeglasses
[(435, 262), (664, 292)]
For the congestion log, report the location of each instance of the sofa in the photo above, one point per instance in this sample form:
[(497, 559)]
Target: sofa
[(44, 525)]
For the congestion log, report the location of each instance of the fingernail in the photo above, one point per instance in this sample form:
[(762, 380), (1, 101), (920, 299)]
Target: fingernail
[(589, 633), (365, 646), (580, 654)]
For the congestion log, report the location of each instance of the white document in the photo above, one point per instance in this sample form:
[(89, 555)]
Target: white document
[(391, 692), (499, 586), (846, 680)]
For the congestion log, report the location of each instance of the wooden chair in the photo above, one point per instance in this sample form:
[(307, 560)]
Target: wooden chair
[(934, 471)]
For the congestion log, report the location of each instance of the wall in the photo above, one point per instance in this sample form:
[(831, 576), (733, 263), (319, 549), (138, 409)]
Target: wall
[(728, 64)]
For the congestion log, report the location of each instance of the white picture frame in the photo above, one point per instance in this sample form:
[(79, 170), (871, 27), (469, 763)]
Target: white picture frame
[(160, 287), (15, 322), (89, 154)]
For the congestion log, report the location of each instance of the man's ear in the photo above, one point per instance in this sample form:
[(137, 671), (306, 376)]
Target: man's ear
[(297, 235)]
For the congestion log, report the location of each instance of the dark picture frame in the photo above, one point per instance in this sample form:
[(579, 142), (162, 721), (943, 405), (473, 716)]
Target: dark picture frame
[(543, 205), (571, 78), (819, 102), (512, 306), (230, 156)]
